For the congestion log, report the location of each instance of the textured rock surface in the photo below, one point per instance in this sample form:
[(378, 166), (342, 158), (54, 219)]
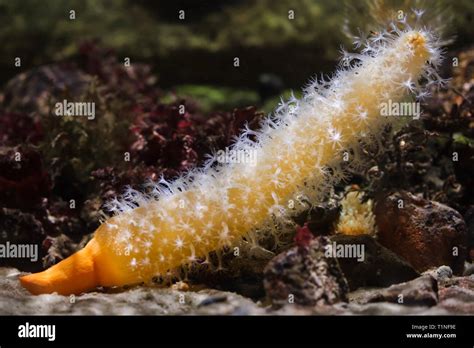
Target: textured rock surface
[(425, 233), (305, 275), (242, 274), (419, 292), (456, 296), (138, 300), (380, 267), (443, 273)]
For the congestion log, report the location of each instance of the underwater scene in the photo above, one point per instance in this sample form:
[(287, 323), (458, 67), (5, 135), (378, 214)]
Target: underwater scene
[(307, 158)]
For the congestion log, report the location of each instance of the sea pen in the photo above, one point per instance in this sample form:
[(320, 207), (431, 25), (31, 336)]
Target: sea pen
[(298, 151)]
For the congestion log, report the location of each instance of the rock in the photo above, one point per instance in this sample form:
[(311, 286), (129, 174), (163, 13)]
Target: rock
[(456, 306), (242, 274), (418, 292), (378, 308), (322, 217), (469, 269), (460, 282), (226, 303), (386, 308), (295, 309), (304, 275), (425, 233), (457, 295), (443, 273), (139, 300), (380, 267)]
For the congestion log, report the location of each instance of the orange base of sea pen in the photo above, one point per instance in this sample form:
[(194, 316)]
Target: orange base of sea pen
[(74, 275)]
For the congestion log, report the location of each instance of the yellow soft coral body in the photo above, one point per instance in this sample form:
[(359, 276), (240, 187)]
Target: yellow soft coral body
[(298, 151)]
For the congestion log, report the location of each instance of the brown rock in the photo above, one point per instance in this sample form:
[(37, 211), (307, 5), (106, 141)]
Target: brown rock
[(380, 266), (425, 233), (304, 276), (418, 292), (242, 275)]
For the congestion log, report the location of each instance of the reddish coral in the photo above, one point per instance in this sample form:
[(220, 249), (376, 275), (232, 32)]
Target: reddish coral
[(303, 236)]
